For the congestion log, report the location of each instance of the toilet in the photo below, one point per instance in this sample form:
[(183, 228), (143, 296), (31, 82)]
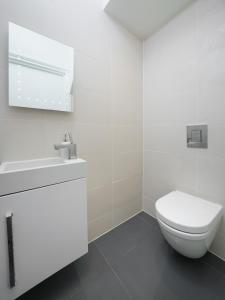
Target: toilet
[(188, 223)]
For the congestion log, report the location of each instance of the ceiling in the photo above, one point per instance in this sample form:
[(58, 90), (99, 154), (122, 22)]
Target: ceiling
[(144, 17)]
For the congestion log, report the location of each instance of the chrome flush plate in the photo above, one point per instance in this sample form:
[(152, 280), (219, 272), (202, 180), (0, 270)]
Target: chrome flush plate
[(197, 136)]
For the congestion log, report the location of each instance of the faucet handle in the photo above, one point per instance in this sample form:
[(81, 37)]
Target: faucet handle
[(70, 138)]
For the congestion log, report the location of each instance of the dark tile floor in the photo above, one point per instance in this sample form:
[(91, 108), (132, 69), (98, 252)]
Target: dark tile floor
[(134, 262)]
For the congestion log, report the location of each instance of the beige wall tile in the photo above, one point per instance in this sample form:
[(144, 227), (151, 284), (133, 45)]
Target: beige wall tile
[(99, 226), (95, 143), (126, 195), (92, 107), (218, 246), (92, 74), (126, 164), (99, 201), (108, 83), (126, 138), (21, 139)]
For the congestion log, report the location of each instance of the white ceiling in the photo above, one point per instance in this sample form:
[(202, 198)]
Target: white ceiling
[(144, 17)]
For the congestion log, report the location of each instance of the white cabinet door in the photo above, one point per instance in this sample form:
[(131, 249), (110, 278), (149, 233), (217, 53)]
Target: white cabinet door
[(49, 232)]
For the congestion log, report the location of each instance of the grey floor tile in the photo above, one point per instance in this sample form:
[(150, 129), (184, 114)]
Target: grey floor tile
[(148, 219), (60, 286), (215, 262), (192, 279), (106, 287), (137, 268), (126, 237), (97, 281), (89, 278), (134, 262), (153, 270)]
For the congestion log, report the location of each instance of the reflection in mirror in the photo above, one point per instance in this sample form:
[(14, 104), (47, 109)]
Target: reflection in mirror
[(40, 71)]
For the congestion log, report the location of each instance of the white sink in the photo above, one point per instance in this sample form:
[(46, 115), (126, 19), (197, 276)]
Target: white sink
[(24, 175), (30, 164)]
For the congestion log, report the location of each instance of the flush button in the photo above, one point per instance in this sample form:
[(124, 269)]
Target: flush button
[(197, 136)]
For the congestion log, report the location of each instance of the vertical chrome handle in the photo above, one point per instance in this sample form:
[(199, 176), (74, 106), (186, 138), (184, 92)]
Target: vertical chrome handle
[(9, 225)]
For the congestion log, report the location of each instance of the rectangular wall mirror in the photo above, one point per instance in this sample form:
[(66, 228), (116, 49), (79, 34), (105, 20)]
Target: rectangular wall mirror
[(40, 71)]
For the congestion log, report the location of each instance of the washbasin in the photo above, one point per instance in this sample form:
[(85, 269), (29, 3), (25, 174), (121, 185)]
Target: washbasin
[(30, 164), (17, 176)]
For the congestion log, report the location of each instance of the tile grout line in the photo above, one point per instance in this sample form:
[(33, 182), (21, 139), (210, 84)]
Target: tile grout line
[(143, 219), (113, 228), (214, 268), (114, 272)]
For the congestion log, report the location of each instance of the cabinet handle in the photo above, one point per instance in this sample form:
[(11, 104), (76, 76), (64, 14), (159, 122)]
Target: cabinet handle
[(9, 224)]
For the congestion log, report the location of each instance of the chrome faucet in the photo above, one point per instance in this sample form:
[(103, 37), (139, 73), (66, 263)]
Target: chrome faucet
[(72, 148)]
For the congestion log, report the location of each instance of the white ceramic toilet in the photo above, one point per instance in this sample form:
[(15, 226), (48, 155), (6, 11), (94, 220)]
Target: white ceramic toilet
[(188, 223)]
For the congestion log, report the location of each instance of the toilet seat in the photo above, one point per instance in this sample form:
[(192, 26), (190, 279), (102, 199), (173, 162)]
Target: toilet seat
[(187, 213), (183, 235)]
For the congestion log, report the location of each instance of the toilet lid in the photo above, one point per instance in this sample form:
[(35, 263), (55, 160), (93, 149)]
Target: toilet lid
[(187, 213)]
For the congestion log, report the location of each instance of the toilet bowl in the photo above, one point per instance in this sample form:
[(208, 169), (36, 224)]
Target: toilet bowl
[(188, 223)]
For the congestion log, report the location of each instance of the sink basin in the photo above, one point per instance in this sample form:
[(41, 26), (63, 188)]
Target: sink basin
[(17, 176), (30, 164)]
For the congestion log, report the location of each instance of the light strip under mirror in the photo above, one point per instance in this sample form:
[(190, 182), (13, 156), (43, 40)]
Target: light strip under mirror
[(37, 65)]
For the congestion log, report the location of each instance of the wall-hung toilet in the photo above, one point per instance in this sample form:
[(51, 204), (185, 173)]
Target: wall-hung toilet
[(188, 223)]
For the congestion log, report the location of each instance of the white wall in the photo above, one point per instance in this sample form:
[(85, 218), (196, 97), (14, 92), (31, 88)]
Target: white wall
[(106, 123), (184, 83)]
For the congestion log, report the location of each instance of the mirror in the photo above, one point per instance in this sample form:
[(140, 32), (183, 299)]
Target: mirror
[(40, 71)]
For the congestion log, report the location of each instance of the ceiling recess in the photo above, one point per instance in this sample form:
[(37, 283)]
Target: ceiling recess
[(144, 17)]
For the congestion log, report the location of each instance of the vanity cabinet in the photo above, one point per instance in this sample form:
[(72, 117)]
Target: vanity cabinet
[(41, 231)]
